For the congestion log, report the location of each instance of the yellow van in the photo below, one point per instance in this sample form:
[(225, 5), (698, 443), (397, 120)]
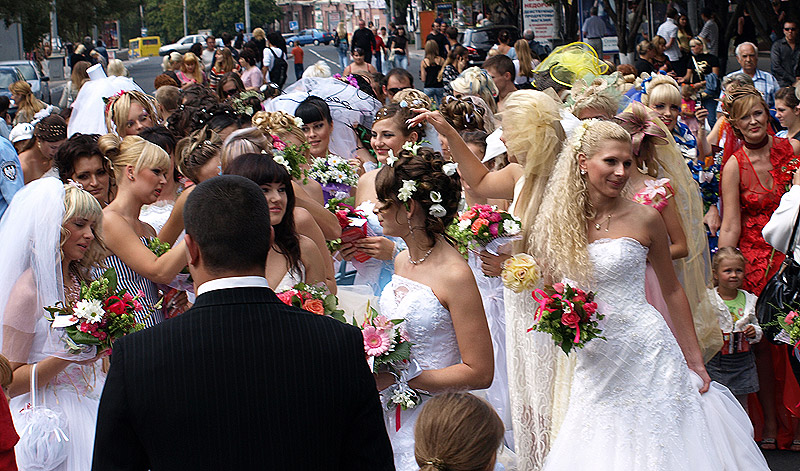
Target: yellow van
[(144, 47)]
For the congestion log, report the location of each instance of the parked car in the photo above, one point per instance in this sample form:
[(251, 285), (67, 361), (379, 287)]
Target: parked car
[(310, 36), (31, 74), (184, 44), (479, 41), (9, 75)]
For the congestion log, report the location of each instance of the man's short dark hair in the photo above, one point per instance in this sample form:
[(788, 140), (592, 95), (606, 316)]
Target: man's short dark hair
[(501, 64), (451, 32), (228, 218), (672, 13), (707, 12), (400, 74)]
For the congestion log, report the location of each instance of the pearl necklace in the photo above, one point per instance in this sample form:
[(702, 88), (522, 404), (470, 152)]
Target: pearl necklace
[(417, 262)]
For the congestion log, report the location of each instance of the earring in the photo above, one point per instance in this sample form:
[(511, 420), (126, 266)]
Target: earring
[(583, 171)]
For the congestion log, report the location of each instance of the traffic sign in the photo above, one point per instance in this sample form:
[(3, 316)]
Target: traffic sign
[(238, 26), (294, 26)]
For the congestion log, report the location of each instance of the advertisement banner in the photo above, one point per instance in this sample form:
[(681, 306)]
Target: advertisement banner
[(539, 17)]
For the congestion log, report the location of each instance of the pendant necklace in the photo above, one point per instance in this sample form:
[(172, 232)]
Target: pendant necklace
[(607, 222)]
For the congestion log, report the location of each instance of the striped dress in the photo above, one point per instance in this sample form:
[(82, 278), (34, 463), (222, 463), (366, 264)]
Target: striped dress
[(133, 283)]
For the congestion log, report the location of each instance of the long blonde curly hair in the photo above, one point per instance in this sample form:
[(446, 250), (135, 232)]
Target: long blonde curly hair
[(561, 245)]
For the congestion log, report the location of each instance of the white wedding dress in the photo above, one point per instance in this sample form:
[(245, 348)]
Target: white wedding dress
[(434, 346), (634, 403)]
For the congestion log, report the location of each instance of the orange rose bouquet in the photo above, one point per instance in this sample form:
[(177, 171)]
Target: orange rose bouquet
[(315, 299)]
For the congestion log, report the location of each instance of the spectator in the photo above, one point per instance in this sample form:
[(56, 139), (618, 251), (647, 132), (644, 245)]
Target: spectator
[(398, 44), (437, 34), (745, 29), (429, 70), (276, 50), (297, 54), (363, 38), (765, 82), (5, 119), (167, 98), (397, 79), (669, 31), (504, 46), (208, 53), (116, 68), (226, 41), (539, 51), (710, 31), (452, 37), (684, 34), (252, 78), (258, 43), (593, 31), (646, 52), (784, 54), (101, 49), (342, 45), (377, 52), (455, 64), (501, 69)]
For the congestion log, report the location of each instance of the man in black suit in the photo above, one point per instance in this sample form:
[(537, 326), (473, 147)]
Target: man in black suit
[(240, 381), (363, 38)]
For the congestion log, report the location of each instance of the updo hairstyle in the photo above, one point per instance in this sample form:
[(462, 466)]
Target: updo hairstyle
[(401, 115), (414, 98), (279, 123), (196, 150), (134, 151), (119, 107), (739, 101), (661, 88), (426, 169), (462, 115), (243, 141)]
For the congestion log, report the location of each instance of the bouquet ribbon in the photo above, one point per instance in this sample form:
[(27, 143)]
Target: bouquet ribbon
[(542, 303), (397, 414)]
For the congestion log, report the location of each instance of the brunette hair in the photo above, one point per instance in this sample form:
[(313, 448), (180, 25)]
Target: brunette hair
[(313, 109), (196, 150), (77, 146), (462, 115)]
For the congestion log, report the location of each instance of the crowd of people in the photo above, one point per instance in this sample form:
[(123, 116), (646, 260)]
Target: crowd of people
[(674, 217)]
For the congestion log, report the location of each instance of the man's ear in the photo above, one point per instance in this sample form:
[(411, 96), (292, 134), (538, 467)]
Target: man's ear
[(192, 251)]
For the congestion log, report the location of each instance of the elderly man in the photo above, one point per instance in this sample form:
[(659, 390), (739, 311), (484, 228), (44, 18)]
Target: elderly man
[(765, 82), (784, 54)]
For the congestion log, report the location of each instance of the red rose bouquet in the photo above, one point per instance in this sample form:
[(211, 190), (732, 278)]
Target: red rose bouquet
[(101, 315), (353, 223), (568, 314), (314, 299)]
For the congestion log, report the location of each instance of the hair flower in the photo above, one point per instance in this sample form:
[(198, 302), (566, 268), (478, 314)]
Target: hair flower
[(412, 147), (577, 136), (436, 197), (391, 159), (437, 211), (408, 188), (297, 122), (403, 104), (450, 168), (279, 159), (77, 185)]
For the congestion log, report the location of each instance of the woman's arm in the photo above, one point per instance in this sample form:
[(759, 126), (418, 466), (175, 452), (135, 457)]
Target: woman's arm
[(460, 295), (731, 215), (713, 137), (422, 73), (326, 220), (499, 184), (125, 244), (678, 247), (677, 303), (174, 226), (306, 226), (703, 149), (313, 264)]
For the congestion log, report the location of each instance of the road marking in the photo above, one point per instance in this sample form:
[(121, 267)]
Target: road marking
[(323, 58)]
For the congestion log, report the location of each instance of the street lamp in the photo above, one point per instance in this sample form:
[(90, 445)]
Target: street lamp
[(185, 27)]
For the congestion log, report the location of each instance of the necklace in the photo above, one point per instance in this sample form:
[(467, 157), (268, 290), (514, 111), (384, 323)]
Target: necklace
[(757, 145), (417, 262), (72, 292), (607, 222)]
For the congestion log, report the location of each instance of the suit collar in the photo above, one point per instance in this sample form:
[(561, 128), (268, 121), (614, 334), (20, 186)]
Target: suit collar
[(246, 295)]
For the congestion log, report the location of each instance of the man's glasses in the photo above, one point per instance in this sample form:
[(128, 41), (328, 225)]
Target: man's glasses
[(392, 91), (790, 29)]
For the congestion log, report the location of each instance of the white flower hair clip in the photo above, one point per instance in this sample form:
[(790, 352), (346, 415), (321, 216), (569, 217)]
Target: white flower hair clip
[(412, 147), (408, 189), (436, 197), (403, 104), (577, 137), (450, 168), (77, 185), (279, 159), (437, 211), (298, 122), (391, 159)]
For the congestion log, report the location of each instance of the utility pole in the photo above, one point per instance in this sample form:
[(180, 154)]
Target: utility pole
[(246, 16), (185, 26), (53, 26)]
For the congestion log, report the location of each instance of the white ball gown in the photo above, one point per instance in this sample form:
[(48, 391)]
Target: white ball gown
[(634, 403)]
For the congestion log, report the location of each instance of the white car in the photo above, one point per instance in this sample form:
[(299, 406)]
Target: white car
[(184, 44)]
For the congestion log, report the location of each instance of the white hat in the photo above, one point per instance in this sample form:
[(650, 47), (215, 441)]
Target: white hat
[(21, 132), (494, 146)]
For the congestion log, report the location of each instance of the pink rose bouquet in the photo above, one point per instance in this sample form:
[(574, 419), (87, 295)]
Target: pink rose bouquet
[(568, 314), (101, 315), (484, 227)]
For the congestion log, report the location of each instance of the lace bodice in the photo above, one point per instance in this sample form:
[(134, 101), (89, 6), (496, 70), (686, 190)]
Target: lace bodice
[(619, 270), (428, 323)]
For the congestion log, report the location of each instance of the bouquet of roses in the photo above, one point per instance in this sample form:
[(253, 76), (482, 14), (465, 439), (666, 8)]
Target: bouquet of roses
[(790, 333), (520, 273), (335, 175), (485, 227), (353, 223), (568, 314), (315, 299), (101, 315), (290, 156)]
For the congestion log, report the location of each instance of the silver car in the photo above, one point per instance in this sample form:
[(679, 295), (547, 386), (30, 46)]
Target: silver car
[(33, 75), (184, 44)]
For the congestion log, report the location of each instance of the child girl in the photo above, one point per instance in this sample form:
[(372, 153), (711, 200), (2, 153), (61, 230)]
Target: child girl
[(734, 366)]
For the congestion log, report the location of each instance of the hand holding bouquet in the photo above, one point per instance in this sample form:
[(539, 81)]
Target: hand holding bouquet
[(485, 227), (335, 175), (314, 299), (353, 223), (568, 314), (101, 315)]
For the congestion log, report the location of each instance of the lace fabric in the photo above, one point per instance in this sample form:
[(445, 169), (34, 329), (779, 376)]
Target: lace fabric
[(634, 404)]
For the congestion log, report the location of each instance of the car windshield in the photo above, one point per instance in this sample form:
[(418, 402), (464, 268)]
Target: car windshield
[(7, 77), (27, 71)]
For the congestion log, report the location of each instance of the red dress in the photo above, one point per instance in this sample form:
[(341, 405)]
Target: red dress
[(757, 203)]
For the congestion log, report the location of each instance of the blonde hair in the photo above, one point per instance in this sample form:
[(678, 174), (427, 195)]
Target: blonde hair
[(189, 58), (318, 69), (560, 245), (79, 75), (119, 107), (457, 431), (597, 94), (476, 81), (244, 141), (341, 30), (117, 68), (133, 151), (259, 33), (415, 98), (533, 134), (524, 57), (279, 123), (28, 103), (81, 204), (431, 50), (723, 253), (661, 88), (227, 64)]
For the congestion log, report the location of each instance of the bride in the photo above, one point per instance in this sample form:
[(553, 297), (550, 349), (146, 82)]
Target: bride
[(641, 397)]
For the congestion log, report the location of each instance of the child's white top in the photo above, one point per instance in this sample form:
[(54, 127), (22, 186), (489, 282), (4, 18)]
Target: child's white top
[(725, 319)]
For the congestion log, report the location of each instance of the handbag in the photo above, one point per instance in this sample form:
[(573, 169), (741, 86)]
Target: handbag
[(781, 293), (43, 440)]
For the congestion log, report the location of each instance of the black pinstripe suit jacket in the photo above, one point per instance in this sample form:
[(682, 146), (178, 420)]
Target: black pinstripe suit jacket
[(241, 382)]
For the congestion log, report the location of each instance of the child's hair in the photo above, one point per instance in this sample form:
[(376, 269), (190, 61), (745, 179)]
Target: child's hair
[(426, 169), (134, 151), (313, 109), (457, 432), (196, 150), (262, 169), (461, 114), (401, 114), (687, 91), (724, 253)]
